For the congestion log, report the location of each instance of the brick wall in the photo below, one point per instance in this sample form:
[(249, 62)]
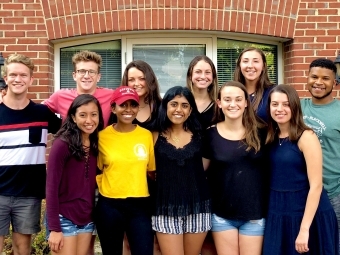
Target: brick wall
[(26, 26), (23, 30), (317, 34)]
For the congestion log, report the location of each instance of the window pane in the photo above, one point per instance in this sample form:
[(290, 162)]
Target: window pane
[(169, 61), (228, 52), (111, 70)]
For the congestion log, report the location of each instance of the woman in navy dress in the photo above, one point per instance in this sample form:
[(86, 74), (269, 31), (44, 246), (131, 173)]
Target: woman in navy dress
[(300, 217)]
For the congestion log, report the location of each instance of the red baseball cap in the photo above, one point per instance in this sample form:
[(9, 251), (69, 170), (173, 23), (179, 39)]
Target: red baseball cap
[(124, 93)]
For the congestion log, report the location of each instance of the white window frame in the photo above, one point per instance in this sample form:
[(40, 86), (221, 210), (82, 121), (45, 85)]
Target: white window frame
[(165, 37)]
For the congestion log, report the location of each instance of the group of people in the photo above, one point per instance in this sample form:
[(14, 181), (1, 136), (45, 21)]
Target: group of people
[(233, 170)]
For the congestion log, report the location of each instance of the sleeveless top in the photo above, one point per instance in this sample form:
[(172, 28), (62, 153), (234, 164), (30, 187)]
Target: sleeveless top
[(288, 166), (182, 188)]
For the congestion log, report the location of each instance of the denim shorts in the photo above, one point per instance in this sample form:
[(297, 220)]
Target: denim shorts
[(247, 228), (70, 229), (22, 212), (193, 223)]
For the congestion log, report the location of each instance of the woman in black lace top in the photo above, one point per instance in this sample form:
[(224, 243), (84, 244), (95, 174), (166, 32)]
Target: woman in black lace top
[(182, 212)]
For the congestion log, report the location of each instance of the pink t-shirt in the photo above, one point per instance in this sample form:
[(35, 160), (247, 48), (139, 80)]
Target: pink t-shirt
[(61, 100)]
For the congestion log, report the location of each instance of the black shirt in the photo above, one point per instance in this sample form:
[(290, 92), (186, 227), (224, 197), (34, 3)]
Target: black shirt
[(237, 178)]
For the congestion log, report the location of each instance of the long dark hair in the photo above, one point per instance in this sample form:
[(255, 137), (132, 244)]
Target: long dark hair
[(263, 81), (297, 125), (153, 96), (192, 124), (70, 133), (249, 119)]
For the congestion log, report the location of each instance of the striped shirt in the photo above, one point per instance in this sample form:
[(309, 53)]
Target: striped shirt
[(23, 138)]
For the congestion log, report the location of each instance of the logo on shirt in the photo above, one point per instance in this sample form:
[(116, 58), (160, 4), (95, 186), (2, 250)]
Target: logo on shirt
[(140, 151), (317, 125)]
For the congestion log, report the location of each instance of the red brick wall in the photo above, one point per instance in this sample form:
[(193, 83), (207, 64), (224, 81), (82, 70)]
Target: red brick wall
[(26, 26), (23, 30), (266, 17), (317, 34)]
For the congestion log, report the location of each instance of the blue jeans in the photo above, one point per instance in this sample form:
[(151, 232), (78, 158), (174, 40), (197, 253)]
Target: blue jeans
[(113, 217)]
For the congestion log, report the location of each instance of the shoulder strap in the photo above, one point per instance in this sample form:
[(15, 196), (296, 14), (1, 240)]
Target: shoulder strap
[(209, 105)]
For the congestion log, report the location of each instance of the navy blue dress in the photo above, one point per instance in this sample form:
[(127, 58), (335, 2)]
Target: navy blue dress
[(289, 188)]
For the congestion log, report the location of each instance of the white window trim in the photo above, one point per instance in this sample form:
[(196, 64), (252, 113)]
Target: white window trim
[(166, 37)]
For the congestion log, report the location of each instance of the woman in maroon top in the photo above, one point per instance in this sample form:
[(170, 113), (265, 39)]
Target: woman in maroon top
[(71, 181)]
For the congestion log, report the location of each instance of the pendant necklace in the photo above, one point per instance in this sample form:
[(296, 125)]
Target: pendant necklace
[(281, 140)]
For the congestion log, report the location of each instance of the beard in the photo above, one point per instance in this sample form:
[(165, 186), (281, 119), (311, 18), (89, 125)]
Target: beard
[(321, 97)]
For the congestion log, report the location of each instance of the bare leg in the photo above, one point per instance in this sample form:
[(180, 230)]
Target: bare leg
[(250, 245), (84, 243), (193, 243), (2, 239), (170, 244), (126, 246), (70, 246), (208, 247), (91, 249), (226, 242), (21, 244), (156, 247)]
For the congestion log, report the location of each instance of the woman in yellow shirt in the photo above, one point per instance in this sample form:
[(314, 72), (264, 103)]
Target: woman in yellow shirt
[(125, 156)]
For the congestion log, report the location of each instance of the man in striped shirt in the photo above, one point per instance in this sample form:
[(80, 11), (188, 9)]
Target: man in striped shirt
[(24, 126)]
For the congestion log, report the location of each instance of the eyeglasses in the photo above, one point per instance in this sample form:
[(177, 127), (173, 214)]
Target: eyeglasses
[(91, 72)]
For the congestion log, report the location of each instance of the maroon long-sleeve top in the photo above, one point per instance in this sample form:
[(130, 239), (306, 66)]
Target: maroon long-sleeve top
[(70, 187)]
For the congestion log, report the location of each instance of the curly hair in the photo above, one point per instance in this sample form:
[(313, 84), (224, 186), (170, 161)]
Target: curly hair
[(324, 63), (86, 56)]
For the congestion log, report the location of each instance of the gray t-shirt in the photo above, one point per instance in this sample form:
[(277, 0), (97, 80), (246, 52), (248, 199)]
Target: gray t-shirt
[(325, 121)]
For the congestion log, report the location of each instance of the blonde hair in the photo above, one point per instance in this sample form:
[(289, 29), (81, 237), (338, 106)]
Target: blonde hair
[(21, 59), (86, 56)]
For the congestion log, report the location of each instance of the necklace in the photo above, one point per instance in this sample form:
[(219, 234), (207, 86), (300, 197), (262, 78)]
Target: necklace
[(281, 140), (175, 139), (252, 94)]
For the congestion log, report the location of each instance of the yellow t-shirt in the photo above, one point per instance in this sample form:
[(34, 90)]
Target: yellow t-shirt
[(125, 159)]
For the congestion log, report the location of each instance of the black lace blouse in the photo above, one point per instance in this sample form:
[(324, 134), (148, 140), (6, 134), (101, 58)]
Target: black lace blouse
[(182, 188)]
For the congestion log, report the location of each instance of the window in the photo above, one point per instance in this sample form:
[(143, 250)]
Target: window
[(169, 62), (169, 57), (228, 52), (111, 70)]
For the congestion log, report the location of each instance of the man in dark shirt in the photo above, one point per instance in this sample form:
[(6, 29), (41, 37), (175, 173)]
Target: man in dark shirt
[(24, 126)]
